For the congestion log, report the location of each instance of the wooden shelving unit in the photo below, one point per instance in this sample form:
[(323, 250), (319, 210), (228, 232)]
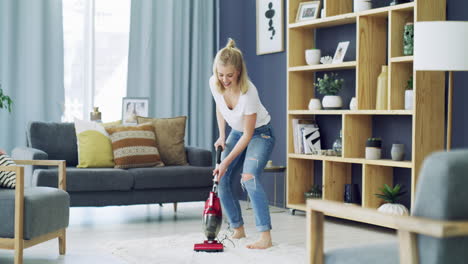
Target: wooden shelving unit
[(379, 38)]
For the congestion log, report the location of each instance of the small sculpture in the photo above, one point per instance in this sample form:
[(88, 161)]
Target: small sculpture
[(326, 60)]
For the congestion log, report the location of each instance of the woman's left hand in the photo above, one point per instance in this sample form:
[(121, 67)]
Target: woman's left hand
[(220, 171)]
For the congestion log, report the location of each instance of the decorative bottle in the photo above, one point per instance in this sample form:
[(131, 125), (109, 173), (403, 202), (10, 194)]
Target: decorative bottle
[(95, 115), (382, 83), (337, 145)]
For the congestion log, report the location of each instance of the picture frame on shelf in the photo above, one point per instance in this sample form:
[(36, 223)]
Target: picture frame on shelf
[(133, 107), (269, 26), (340, 52), (308, 11)]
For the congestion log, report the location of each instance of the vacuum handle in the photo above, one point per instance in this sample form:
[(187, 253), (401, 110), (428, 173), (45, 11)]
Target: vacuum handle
[(218, 154), (219, 149)]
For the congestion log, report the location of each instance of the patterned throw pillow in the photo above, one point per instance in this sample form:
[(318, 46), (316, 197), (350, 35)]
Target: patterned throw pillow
[(94, 145), (134, 146), (170, 134), (7, 178)]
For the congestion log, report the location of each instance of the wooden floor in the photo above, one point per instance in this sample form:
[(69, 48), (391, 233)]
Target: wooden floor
[(90, 228)]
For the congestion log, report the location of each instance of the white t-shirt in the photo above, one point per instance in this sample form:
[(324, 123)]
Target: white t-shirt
[(248, 104)]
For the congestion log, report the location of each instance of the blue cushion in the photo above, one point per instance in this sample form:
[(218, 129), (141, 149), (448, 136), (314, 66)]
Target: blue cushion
[(87, 179), (441, 194), (369, 254), (44, 135), (45, 210), (172, 177)]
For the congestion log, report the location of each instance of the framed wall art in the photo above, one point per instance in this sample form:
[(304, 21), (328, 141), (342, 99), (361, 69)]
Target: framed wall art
[(133, 107), (269, 26)]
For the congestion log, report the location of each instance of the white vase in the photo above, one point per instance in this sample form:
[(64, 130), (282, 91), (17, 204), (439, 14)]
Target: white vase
[(332, 102), (312, 56), (314, 104), (409, 99), (395, 209), (362, 5), (353, 104)]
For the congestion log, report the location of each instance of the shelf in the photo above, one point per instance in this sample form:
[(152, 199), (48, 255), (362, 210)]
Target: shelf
[(402, 59), (349, 18), (324, 67), (381, 162), (350, 112), (383, 11), (325, 22)]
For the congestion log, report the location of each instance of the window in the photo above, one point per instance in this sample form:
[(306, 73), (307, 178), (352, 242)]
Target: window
[(96, 36)]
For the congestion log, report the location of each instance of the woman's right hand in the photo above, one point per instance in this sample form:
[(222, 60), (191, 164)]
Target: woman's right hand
[(220, 142)]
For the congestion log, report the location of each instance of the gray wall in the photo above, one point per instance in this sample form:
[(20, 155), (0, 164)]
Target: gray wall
[(268, 72)]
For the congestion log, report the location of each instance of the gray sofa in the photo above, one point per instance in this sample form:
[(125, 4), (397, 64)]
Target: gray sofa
[(110, 186)]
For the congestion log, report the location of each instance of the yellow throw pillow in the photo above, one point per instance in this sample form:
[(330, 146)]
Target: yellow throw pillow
[(94, 145), (170, 138), (134, 146)]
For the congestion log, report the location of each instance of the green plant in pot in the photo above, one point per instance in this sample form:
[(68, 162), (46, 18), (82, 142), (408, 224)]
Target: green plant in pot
[(373, 148), (391, 197), (330, 86), (5, 100), (409, 94), (315, 192)]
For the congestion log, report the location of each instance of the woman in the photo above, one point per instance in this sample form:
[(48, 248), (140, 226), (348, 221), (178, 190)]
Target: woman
[(248, 146)]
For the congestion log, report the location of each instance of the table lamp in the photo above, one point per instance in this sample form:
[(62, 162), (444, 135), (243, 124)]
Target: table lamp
[(442, 46)]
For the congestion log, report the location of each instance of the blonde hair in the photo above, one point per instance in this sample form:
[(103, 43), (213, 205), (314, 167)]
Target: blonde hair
[(230, 55)]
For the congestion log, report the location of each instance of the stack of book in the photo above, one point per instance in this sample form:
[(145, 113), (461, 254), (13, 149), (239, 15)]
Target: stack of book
[(306, 136)]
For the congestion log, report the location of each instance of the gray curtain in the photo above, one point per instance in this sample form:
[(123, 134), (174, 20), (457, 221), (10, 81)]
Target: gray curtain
[(172, 45), (31, 65)]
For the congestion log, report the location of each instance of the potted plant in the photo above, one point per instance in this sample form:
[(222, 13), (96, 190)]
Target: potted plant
[(409, 94), (391, 196), (314, 193), (5, 100), (373, 148), (330, 86)]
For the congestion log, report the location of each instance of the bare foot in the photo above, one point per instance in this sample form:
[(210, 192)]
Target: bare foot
[(263, 243), (239, 233)]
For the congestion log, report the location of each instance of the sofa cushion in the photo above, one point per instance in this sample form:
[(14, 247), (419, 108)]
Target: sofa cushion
[(87, 179), (172, 177), (7, 178), (170, 134), (368, 254), (134, 146), (58, 140), (45, 210), (94, 145)]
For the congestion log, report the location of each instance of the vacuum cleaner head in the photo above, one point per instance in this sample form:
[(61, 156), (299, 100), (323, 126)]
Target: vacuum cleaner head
[(209, 246)]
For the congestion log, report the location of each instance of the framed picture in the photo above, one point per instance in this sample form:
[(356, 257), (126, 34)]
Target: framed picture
[(308, 10), (340, 52), (269, 26), (133, 107)]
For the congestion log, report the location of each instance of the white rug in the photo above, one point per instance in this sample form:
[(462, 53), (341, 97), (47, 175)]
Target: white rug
[(179, 249)]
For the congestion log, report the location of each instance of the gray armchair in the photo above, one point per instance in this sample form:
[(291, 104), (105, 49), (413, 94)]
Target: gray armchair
[(436, 233), (29, 216)]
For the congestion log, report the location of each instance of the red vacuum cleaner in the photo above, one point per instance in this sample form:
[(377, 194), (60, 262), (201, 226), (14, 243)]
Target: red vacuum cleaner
[(212, 216)]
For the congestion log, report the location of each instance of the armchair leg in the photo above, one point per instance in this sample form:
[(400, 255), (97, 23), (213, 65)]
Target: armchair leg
[(19, 245), (62, 242), (175, 207)]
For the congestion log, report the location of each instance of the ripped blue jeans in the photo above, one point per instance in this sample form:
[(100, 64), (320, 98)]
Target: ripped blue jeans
[(251, 161)]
